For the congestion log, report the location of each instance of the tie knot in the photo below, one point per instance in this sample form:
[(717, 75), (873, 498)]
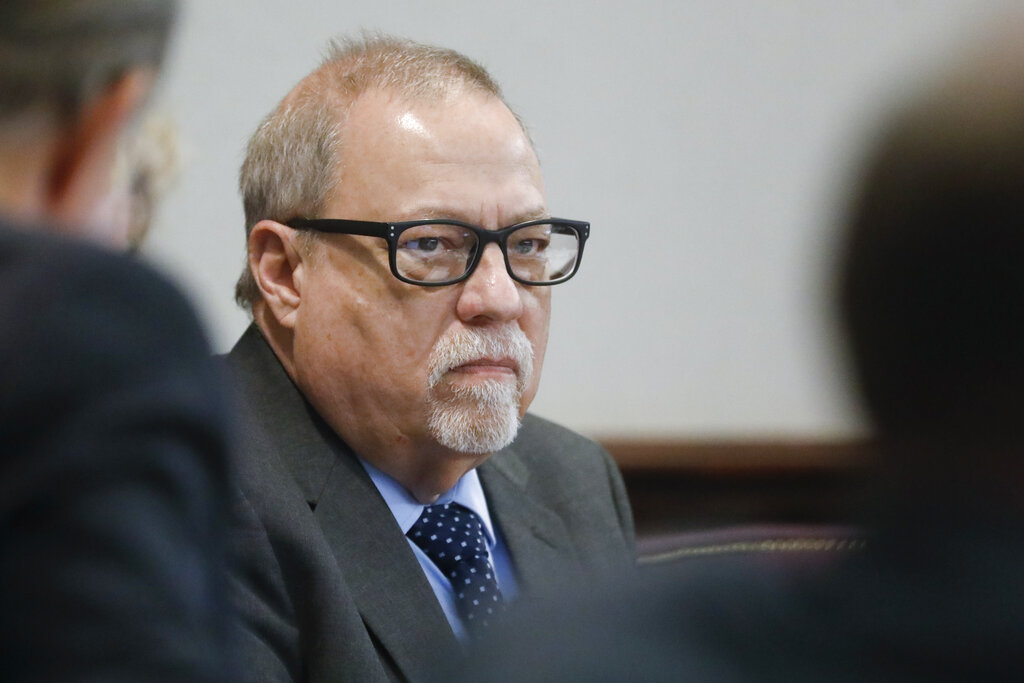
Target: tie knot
[(449, 534)]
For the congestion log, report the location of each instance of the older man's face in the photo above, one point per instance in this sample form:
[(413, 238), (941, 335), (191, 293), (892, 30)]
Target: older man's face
[(393, 365)]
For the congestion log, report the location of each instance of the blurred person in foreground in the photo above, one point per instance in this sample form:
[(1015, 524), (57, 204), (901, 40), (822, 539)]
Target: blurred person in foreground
[(112, 449), (400, 263), (931, 298)]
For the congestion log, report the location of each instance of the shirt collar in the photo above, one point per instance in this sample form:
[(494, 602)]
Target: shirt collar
[(467, 492)]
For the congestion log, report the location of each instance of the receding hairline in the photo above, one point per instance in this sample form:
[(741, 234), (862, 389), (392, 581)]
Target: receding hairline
[(330, 87), (354, 67)]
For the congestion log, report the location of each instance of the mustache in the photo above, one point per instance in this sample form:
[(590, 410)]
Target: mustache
[(468, 345)]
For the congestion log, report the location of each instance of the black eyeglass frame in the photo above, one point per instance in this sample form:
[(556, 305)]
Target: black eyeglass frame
[(390, 232)]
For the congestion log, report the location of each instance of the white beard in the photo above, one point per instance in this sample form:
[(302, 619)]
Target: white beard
[(484, 417)]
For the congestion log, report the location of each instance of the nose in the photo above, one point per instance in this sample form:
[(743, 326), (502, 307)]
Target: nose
[(490, 294)]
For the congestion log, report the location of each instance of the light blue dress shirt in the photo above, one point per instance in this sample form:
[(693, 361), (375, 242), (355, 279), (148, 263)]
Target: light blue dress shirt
[(468, 492)]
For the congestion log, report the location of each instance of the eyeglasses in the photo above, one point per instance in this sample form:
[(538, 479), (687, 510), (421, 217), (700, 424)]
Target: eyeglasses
[(435, 252)]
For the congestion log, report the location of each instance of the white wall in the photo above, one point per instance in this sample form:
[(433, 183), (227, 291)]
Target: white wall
[(707, 142)]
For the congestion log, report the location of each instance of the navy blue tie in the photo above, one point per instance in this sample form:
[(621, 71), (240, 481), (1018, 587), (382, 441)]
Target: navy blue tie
[(453, 538)]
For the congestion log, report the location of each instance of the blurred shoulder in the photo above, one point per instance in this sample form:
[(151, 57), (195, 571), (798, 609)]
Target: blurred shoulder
[(54, 285), (80, 322)]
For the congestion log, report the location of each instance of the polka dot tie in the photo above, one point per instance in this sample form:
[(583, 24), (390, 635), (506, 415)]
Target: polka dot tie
[(452, 536)]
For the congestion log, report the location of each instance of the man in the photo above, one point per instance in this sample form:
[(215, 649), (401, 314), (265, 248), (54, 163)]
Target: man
[(932, 299), (112, 451), (399, 252)]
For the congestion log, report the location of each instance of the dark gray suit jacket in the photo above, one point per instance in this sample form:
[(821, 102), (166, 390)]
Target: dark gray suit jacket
[(327, 586)]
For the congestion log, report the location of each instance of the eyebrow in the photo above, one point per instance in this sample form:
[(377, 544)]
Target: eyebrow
[(436, 213)]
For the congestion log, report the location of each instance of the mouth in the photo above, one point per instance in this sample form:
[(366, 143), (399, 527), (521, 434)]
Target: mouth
[(488, 367), (481, 357)]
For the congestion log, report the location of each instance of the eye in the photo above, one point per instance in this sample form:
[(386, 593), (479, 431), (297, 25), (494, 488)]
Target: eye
[(434, 252), (524, 247), (532, 245), (423, 244), (434, 238)]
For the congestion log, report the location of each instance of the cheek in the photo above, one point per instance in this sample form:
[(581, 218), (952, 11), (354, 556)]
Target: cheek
[(390, 329), (338, 327), (535, 323)]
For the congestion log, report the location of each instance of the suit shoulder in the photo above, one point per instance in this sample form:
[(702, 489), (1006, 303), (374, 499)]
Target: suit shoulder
[(544, 442), (539, 429), (578, 479)]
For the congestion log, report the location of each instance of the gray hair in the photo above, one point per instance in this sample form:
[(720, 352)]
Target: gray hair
[(293, 160), (55, 55)]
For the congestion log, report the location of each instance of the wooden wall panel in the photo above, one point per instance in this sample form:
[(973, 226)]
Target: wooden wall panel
[(686, 485)]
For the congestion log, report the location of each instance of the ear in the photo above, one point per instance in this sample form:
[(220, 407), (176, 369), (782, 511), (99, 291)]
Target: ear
[(82, 164), (277, 267)]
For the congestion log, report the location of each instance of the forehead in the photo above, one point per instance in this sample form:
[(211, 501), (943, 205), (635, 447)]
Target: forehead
[(465, 154)]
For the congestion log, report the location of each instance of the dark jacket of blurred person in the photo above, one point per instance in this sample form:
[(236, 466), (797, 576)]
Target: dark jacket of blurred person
[(112, 444), (931, 295)]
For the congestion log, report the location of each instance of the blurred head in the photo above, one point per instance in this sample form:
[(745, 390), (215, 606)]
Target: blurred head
[(932, 272), (414, 378), (72, 75)]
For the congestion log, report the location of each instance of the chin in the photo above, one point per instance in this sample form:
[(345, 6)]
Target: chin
[(475, 424)]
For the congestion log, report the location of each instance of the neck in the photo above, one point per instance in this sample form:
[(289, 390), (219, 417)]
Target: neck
[(426, 476), (279, 338)]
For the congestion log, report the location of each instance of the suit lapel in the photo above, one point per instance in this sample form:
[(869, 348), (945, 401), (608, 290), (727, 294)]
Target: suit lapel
[(387, 584), (293, 431), (537, 538), (392, 594)]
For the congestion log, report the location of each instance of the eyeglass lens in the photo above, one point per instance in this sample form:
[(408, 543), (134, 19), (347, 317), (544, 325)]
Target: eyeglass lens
[(539, 253)]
